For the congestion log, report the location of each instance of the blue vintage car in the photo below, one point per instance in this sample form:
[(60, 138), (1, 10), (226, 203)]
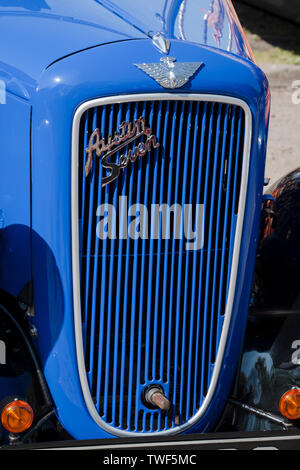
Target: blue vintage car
[(134, 232)]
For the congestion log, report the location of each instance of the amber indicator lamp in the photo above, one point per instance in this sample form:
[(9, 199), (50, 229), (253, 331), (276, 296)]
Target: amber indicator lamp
[(17, 416), (289, 404)]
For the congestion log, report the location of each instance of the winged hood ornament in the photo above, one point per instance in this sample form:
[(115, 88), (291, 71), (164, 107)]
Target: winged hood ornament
[(169, 73)]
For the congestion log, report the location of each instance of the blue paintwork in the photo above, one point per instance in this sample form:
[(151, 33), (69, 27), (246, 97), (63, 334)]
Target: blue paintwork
[(15, 194), (45, 31), (54, 92)]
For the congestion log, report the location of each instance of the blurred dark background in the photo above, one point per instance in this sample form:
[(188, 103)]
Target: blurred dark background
[(273, 38), (289, 9)]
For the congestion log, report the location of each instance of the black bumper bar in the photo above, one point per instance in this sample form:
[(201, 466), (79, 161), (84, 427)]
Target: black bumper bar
[(184, 444)]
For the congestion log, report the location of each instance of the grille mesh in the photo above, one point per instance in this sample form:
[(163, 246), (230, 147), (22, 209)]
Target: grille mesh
[(152, 311)]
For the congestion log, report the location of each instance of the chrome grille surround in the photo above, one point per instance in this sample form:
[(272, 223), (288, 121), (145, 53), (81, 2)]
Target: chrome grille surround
[(75, 250)]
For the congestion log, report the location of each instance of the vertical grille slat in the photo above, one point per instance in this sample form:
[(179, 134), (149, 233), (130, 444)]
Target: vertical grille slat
[(139, 372), (213, 246), (101, 300), (91, 332), (216, 270), (174, 271), (116, 326), (206, 254), (133, 304), (196, 302), (189, 263), (180, 279), (109, 313), (152, 308), (126, 313), (87, 228)]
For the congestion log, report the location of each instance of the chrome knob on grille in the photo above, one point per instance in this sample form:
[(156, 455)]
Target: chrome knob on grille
[(155, 396)]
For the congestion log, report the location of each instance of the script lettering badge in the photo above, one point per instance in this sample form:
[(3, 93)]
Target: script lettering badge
[(128, 132)]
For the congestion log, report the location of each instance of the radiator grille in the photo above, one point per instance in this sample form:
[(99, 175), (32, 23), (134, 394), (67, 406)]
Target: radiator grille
[(152, 310)]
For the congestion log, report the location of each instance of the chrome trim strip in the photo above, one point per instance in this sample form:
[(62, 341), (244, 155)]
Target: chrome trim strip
[(75, 249), (143, 445)]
